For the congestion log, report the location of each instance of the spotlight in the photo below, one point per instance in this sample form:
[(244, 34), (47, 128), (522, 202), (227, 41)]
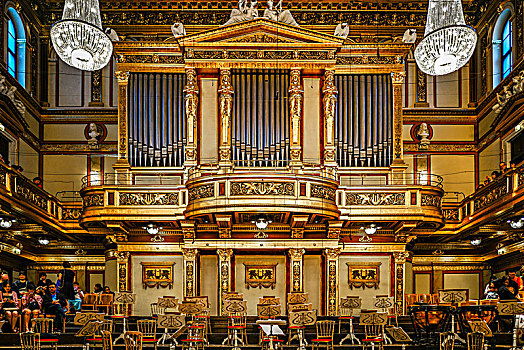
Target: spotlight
[(43, 240), (516, 223), (152, 229), (6, 223), (476, 241)]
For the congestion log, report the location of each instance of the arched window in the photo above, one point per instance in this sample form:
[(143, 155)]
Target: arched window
[(507, 44), (502, 46), (16, 41)]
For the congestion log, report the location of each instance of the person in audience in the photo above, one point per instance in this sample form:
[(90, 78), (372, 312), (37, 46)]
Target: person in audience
[(495, 174), (98, 289), (9, 306), (76, 303), (513, 276), (31, 305), (487, 180), (67, 278), (107, 290), (512, 165), (492, 280), (5, 281), (54, 303), (492, 292), (38, 181), (22, 282), (507, 290), (503, 167), (42, 280)]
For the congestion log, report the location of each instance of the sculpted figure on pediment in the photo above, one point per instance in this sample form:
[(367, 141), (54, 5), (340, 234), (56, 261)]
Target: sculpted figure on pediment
[(275, 13), (247, 11)]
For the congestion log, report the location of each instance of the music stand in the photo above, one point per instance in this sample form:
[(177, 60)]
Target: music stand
[(191, 309), (232, 308), (454, 297), (351, 303), (301, 319), (385, 303), (271, 329), (512, 308), (167, 302), (171, 320), (125, 299)]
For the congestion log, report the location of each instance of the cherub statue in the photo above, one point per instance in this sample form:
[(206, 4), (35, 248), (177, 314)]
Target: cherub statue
[(178, 29), (502, 99), (342, 30), (112, 34)]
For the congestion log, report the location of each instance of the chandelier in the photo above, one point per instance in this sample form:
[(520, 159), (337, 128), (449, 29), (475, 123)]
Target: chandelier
[(78, 38), (448, 42)]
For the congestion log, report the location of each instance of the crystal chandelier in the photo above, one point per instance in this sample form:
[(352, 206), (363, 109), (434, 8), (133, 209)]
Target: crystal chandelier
[(448, 42), (78, 38)]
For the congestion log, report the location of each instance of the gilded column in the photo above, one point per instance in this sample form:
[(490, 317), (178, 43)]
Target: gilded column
[(225, 91), (122, 167), (224, 275), (191, 101), (190, 274), (297, 268), (400, 272), (329, 99), (331, 255), (422, 96), (96, 89), (296, 102), (122, 268), (397, 79)]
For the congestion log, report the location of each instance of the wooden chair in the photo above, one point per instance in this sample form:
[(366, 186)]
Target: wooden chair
[(325, 332), (373, 334), (107, 341), (195, 337), (156, 310), (97, 340), (133, 340), (446, 341), (44, 326), (30, 341), (410, 299), (475, 341), (237, 322), (425, 298), (148, 330), (105, 302), (89, 302)]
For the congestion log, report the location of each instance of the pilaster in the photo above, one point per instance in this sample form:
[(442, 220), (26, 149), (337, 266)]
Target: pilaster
[(401, 258), (191, 104), (332, 280), (122, 167), (397, 79), (329, 99), (190, 271), (296, 104), (224, 275), (297, 268), (225, 97)]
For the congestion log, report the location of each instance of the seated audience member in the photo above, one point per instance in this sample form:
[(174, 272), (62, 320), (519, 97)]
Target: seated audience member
[(107, 290), (54, 303), (76, 303), (513, 276), (38, 181), (492, 279), (495, 174), (9, 306), (98, 289), (503, 167), (492, 292), (31, 305), (42, 280), (507, 290), (22, 282), (512, 166)]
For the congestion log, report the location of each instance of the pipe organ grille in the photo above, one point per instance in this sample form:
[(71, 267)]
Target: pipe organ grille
[(364, 121), (157, 122), (260, 128)]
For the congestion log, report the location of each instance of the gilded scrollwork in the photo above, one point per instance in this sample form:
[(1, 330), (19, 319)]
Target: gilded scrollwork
[(225, 254), (297, 232), (24, 190), (203, 191), (487, 198), (189, 253), (259, 38), (365, 60), (225, 98), (151, 58), (296, 99), (148, 198), (93, 200), (329, 99), (332, 253), (421, 86), (191, 102), (451, 214), (262, 188), (375, 198), (71, 213), (323, 192), (430, 200)]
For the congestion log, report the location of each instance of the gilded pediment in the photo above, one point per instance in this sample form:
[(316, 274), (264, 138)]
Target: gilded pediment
[(261, 31)]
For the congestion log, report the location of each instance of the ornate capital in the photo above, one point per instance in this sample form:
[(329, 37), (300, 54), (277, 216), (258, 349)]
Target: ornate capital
[(191, 100), (122, 77), (334, 232), (398, 77), (332, 253), (121, 257), (296, 253), (225, 254), (401, 257), (189, 253), (189, 233)]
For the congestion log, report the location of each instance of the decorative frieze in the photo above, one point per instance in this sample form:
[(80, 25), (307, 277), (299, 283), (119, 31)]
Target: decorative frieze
[(490, 196), (203, 191), (323, 192), (451, 214), (93, 200), (150, 58), (430, 200), (218, 55), (24, 190), (375, 198), (148, 198), (369, 60), (71, 213), (262, 188)]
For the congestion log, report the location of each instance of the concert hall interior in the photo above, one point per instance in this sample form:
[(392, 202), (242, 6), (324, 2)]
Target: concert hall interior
[(262, 174)]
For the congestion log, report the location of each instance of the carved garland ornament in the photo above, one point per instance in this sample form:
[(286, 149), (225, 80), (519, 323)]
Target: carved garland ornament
[(430, 200), (375, 198), (94, 200), (262, 188), (25, 191), (203, 191), (487, 198), (148, 199), (323, 192)]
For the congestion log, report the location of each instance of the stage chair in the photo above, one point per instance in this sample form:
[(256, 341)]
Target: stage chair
[(325, 332), (105, 302), (148, 330), (238, 322), (475, 341), (446, 341), (107, 341), (97, 340), (373, 333), (89, 302), (157, 310), (425, 298), (410, 299), (133, 340), (195, 337), (44, 326), (30, 341)]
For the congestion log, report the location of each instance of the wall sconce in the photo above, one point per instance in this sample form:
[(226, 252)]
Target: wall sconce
[(6, 223), (154, 230), (261, 222), (368, 231), (516, 223), (43, 240), (475, 241)]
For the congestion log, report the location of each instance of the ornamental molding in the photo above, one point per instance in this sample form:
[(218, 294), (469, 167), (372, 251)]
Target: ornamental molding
[(413, 147), (487, 198), (398, 77), (420, 268), (375, 198), (451, 214), (402, 257), (93, 200), (150, 58), (202, 191), (71, 213), (323, 192), (430, 200), (148, 198), (122, 77), (77, 147), (367, 60), (262, 188)]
